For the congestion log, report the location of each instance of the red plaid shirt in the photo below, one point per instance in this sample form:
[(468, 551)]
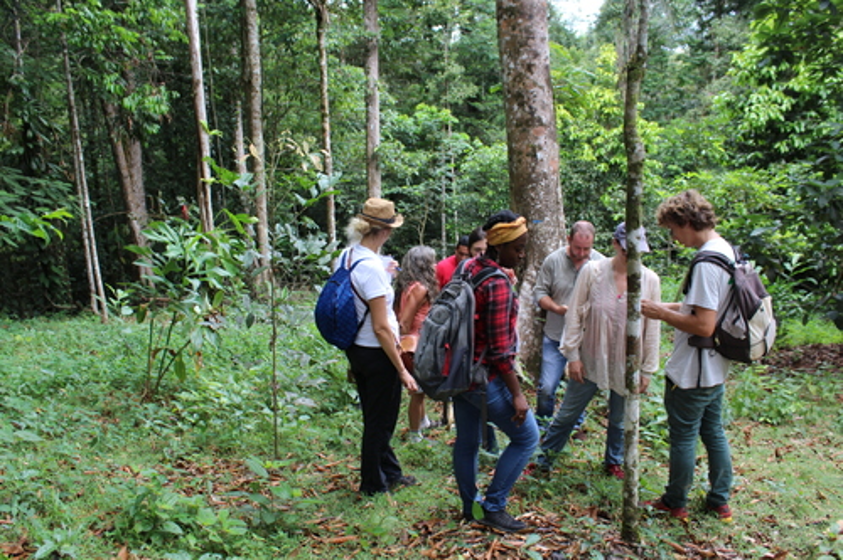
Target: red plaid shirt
[(494, 321)]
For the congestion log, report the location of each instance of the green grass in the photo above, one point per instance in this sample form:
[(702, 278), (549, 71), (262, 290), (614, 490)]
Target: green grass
[(88, 468), (793, 332)]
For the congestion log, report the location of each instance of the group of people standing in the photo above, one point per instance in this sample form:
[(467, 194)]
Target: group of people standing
[(584, 296)]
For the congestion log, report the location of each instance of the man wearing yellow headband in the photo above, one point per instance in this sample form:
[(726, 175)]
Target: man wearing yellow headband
[(495, 341)]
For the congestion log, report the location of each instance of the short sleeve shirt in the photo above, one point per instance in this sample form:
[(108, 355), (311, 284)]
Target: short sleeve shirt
[(690, 367), (371, 280)]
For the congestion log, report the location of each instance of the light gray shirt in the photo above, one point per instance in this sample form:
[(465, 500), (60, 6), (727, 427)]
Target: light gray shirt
[(556, 279), (690, 367)]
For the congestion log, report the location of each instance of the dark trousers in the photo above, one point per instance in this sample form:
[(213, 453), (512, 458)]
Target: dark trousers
[(380, 398)]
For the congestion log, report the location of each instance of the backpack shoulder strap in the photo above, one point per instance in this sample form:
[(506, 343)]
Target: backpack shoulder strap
[(351, 281), (485, 274), (712, 257)]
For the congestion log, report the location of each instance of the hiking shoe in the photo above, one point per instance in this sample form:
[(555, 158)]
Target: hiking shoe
[(402, 481), (580, 434), (724, 512), (415, 437), (676, 513), (501, 521), (538, 468), (614, 470)]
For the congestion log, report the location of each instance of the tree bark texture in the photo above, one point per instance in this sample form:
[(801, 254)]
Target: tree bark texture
[(128, 153), (636, 17), (373, 111), (203, 186), (89, 240), (254, 96), (533, 149), (320, 7)]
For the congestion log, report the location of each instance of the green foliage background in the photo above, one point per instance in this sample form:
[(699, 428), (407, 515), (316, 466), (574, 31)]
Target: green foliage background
[(741, 100)]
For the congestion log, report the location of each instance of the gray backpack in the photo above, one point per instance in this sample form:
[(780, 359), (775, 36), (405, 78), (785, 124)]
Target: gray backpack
[(444, 361), (746, 330)]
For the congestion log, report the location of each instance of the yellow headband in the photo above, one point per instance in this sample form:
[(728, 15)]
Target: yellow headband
[(504, 233)]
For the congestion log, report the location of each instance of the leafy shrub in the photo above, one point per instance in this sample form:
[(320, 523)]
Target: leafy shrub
[(765, 398), (156, 515), (188, 274), (831, 544)]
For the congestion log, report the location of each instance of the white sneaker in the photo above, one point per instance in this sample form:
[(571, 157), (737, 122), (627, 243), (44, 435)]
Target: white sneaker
[(425, 423), (415, 437)]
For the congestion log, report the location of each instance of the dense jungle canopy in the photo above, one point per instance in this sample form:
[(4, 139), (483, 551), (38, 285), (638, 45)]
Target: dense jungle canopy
[(742, 100)]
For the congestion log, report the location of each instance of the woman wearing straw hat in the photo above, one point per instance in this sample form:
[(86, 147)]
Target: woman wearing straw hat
[(495, 340), (374, 357)]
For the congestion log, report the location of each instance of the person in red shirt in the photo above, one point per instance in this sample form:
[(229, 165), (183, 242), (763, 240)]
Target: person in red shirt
[(495, 341), (446, 267)]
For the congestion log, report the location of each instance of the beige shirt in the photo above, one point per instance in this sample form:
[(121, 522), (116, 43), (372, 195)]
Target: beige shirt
[(595, 332)]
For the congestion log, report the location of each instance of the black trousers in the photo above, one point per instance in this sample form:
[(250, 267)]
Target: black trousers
[(380, 398)]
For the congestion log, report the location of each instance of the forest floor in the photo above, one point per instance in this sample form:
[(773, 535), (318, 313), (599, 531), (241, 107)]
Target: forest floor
[(807, 358), (89, 470)]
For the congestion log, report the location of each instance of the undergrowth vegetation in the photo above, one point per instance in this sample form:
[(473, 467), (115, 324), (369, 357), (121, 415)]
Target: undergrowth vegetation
[(90, 468)]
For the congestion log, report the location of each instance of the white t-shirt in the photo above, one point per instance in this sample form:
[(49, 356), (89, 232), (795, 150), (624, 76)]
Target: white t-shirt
[(371, 280), (690, 367)]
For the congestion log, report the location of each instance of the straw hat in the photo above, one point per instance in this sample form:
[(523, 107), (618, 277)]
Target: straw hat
[(381, 212)]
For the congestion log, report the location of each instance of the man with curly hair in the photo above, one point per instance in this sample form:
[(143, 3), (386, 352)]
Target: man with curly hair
[(696, 376)]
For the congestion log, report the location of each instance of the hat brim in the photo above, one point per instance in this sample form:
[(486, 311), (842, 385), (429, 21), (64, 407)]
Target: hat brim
[(643, 246), (395, 222)]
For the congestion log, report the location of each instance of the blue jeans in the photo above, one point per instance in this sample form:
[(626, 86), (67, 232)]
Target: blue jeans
[(552, 371), (577, 397), (692, 413), (522, 442)]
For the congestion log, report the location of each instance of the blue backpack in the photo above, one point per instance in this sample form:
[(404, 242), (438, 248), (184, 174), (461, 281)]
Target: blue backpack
[(335, 313)]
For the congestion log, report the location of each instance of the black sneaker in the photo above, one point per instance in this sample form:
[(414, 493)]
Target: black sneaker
[(501, 521), (402, 482)]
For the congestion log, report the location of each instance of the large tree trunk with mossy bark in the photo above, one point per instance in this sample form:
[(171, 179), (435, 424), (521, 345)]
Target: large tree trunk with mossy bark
[(533, 150)]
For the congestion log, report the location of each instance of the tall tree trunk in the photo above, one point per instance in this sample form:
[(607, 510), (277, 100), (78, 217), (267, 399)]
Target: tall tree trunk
[(240, 153), (128, 154), (373, 111), (203, 187), (533, 148), (322, 23), (89, 240), (636, 18), (254, 86)]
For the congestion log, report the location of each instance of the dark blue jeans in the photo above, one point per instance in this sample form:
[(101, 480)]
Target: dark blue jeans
[(693, 413), (380, 399), (522, 442)]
